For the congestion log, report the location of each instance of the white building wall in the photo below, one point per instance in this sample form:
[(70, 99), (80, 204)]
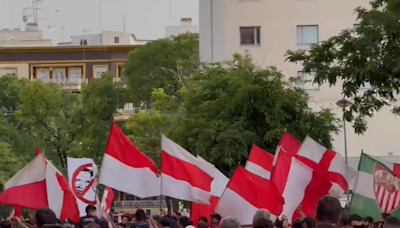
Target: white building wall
[(279, 19), (92, 39)]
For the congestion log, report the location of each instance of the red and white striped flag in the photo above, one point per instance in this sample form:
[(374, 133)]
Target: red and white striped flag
[(245, 194), (260, 162), (183, 175)]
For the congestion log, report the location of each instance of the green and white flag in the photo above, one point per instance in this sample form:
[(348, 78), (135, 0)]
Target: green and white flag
[(376, 188)]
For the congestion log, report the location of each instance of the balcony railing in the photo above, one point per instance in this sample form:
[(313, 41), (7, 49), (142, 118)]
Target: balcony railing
[(71, 84), (142, 203)]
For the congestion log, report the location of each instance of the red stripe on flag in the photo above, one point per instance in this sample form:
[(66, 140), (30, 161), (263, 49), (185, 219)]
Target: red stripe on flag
[(261, 158), (185, 171), (34, 195), (289, 144), (200, 210), (394, 201), (396, 169), (388, 201), (122, 149), (383, 196), (281, 171), (259, 192), (70, 207)]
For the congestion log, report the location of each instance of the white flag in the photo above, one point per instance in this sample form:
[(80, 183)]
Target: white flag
[(82, 177)]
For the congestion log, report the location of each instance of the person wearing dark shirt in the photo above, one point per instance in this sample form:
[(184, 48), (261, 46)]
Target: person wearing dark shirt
[(140, 219), (90, 216)]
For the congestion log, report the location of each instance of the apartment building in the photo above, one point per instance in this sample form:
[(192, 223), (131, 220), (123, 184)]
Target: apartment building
[(104, 38), (29, 36), (68, 66), (266, 29), (185, 26)]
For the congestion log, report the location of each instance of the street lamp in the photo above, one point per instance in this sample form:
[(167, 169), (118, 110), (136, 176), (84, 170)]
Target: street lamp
[(344, 103)]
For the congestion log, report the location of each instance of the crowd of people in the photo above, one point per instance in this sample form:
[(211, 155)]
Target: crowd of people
[(329, 214)]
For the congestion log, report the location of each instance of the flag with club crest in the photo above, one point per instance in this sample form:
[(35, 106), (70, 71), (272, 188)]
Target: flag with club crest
[(376, 188)]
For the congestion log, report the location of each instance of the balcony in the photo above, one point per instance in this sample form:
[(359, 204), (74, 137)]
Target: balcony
[(141, 203), (70, 84), (125, 113)]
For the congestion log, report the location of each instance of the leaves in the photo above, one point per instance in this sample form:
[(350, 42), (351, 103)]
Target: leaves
[(367, 54)]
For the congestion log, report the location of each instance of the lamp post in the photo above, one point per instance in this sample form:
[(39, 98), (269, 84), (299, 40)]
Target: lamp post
[(344, 103)]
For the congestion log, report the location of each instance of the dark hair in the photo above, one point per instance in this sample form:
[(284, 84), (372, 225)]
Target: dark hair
[(202, 225), (90, 171), (385, 215), (297, 224), (262, 223), (91, 225), (177, 213), (328, 210), (184, 221), (343, 220), (165, 221), (121, 224), (216, 216), (369, 219), (278, 223), (103, 223), (45, 216), (309, 222), (140, 215), (5, 224), (392, 221), (129, 218), (353, 217), (204, 219), (90, 208)]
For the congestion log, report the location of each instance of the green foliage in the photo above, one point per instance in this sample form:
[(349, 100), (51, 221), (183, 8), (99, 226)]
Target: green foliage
[(164, 63), (9, 163), (370, 57)]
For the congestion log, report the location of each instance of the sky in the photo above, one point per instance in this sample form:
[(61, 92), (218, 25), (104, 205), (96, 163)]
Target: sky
[(144, 18)]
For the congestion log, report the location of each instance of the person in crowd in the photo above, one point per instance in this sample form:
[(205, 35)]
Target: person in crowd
[(328, 212), (230, 222), (165, 222), (368, 222), (202, 225), (203, 220), (184, 221), (343, 220), (103, 223), (176, 215), (262, 222), (45, 216), (307, 222), (127, 220), (5, 224), (89, 217), (92, 225), (215, 220), (140, 219), (355, 221), (278, 223), (297, 224), (261, 214), (391, 222), (384, 216)]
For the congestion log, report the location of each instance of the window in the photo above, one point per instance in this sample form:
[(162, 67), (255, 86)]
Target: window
[(83, 42), (307, 34), (250, 36), (75, 75), (43, 74), (116, 40), (99, 70), (8, 72), (307, 81), (356, 35), (59, 75)]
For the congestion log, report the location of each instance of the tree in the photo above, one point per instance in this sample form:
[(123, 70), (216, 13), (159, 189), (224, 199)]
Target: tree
[(232, 105), (367, 54), (161, 64)]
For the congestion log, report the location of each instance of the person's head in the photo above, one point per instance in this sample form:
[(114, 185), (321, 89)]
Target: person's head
[(103, 223), (307, 222), (230, 222), (92, 225), (297, 224), (176, 215), (384, 216), (261, 214), (83, 180), (391, 222), (165, 221), (140, 215), (90, 210), (262, 222), (202, 225), (45, 216), (368, 221), (184, 221), (126, 220), (215, 220), (328, 211), (343, 220), (5, 224), (203, 220), (355, 221)]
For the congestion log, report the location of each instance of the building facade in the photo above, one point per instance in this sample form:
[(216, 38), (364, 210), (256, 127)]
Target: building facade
[(185, 26), (30, 36), (105, 38), (266, 29)]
